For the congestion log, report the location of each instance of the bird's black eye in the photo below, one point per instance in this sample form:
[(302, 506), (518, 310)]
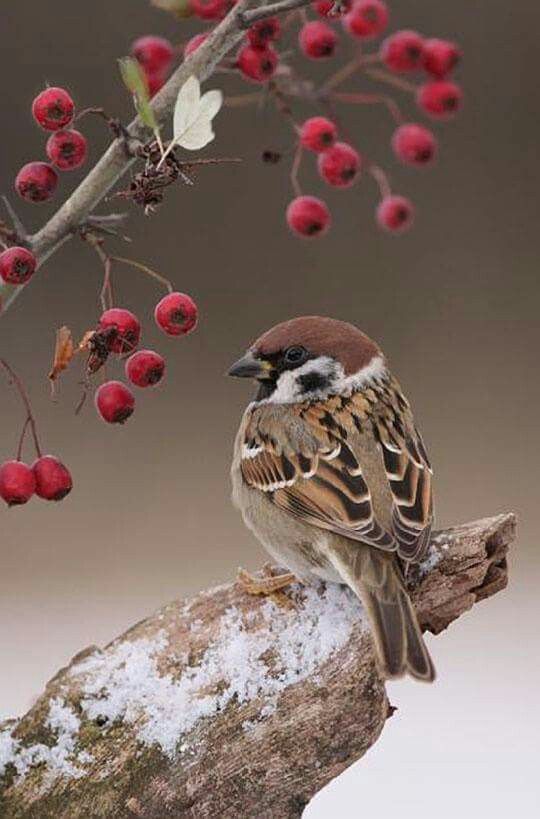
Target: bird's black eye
[(295, 355)]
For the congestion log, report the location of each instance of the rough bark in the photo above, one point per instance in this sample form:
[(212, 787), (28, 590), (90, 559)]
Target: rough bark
[(228, 705)]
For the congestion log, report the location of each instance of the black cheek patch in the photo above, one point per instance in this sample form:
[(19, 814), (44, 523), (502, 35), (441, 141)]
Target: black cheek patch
[(309, 382)]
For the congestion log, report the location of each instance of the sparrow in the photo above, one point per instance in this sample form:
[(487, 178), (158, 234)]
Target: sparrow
[(330, 473)]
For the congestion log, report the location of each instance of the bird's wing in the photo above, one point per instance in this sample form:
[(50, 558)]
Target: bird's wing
[(303, 456)]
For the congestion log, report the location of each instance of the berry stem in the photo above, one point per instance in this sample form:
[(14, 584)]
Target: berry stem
[(239, 100), (106, 287), (14, 379), (381, 179), (148, 270), (22, 437), (295, 169), (347, 70), (390, 79), (369, 99)]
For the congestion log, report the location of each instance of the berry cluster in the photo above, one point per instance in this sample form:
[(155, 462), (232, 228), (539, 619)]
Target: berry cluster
[(66, 148), (47, 477), (264, 59), (118, 333)]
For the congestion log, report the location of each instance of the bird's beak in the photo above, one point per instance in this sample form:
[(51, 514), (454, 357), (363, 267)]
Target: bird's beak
[(250, 367)]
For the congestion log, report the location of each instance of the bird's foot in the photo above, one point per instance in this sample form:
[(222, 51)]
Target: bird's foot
[(270, 585)]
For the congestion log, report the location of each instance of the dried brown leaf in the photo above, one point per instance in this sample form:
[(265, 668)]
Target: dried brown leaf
[(63, 352)]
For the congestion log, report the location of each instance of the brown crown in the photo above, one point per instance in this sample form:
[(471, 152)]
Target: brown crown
[(321, 336)]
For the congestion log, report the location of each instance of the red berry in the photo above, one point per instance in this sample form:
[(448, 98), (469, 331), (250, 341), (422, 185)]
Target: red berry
[(17, 265), (440, 57), (308, 216), (53, 109), (339, 165), (317, 40), (367, 18), (258, 64), (395, 213), (193, 44), (403, 51), (127, 326), (441, 98), (145, 368), (176, 314), (318, 134), (53, 479), (67, 149), (36, 182), (264, 31), (17, 482), (153, 53), (414, 144), (326, 8), (115, 402), (211, 9)]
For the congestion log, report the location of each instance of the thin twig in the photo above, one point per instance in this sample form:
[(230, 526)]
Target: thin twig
[(239, 100), (391, 79), (14, 378), (20, 229), (351, 67), (247, 18), (369, 99)]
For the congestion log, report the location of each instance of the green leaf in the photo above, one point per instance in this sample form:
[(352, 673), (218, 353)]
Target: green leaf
[(135, 81), (180, 8)]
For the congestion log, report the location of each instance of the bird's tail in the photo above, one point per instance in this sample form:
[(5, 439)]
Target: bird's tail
[(376, 578)]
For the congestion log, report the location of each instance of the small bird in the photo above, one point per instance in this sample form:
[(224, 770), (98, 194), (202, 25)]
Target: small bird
[(332, 476)]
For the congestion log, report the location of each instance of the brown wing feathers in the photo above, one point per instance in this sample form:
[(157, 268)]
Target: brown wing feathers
[(309, 468)]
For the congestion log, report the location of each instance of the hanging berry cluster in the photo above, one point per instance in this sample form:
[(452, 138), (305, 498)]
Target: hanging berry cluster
[(118, 334), (47, 477), (317, 32)]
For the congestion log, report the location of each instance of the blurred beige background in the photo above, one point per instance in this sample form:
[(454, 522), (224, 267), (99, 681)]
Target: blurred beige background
[(454, 304)]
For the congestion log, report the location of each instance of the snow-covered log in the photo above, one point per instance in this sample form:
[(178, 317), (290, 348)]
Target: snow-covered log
[(228, 705)]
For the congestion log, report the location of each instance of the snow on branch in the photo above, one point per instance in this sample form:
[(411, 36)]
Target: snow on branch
[(228, 705)]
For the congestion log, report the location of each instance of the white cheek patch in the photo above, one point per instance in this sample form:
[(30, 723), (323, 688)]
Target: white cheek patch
[(291, 390)]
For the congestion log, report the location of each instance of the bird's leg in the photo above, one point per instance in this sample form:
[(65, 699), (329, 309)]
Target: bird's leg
[(270, 585), (267, 585)]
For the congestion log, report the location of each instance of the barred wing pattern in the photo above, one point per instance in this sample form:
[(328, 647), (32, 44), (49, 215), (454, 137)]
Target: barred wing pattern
[(303, 456)]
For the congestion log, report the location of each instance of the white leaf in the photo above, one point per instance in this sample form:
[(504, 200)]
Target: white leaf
[(187, 105), (197, 135), (210, 104)]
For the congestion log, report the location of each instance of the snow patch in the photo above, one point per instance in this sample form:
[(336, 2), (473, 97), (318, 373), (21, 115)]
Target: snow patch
[(255, 657), (60, 759), (124, 683)]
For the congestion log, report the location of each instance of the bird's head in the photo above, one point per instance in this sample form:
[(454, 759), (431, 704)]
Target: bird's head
[(309, 358)]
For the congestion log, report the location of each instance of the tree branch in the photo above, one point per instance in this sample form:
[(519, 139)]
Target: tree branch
[(228, 705), (115, 162)]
